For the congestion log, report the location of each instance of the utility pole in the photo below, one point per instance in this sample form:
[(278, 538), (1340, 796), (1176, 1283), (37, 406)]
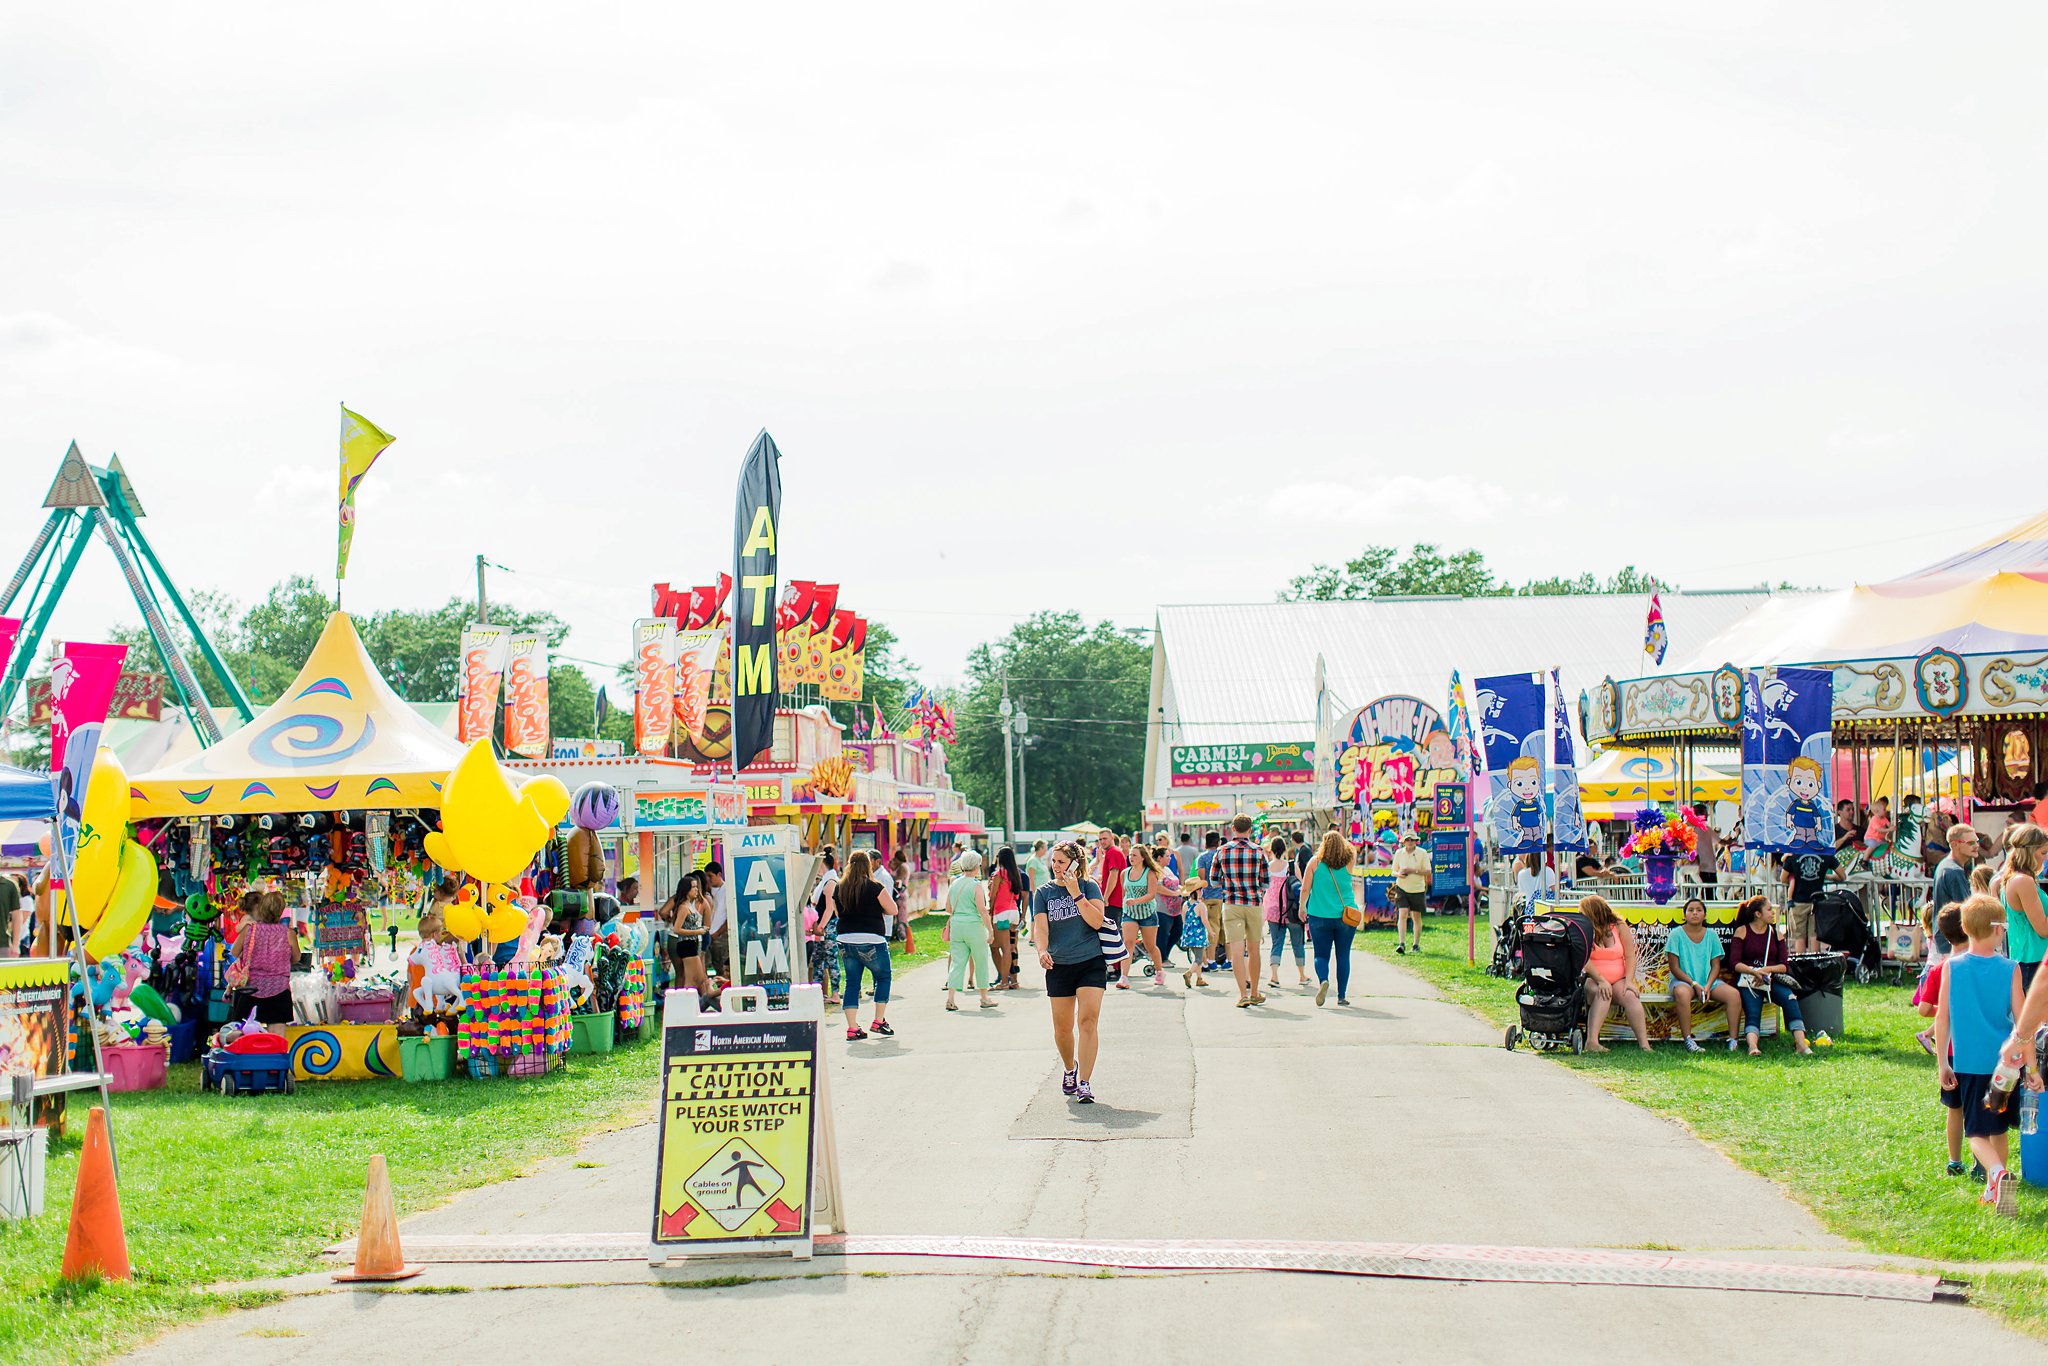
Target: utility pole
[(1023, 788), (482, 614), (1009, 760)]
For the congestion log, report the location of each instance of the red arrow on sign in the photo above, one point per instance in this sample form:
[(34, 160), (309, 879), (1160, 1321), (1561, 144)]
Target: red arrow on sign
[(787, 1220), (677, 1224)]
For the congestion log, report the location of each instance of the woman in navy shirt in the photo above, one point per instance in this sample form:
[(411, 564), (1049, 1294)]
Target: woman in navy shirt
[(1067, 916)]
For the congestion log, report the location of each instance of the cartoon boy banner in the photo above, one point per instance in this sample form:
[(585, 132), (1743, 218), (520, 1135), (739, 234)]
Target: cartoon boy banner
[(1512, 734), (1787, 755), (1567, 817)]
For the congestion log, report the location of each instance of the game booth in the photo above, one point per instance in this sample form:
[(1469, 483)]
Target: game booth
[(1396, 767), (345, 801)]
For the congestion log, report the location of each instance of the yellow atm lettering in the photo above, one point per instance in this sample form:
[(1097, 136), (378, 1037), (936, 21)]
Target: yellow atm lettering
[(753, 670)]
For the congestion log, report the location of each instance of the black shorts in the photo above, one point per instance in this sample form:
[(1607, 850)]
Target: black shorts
[(269, 1009), (681, 949), (1064, 979), (1978, 1122), (1417, 902), (2027, 971)]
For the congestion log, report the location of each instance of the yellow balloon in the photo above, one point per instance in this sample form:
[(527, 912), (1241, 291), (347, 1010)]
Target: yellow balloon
[(493, 827), (436, 845), (505, 924), (102, 830), (127, 910)]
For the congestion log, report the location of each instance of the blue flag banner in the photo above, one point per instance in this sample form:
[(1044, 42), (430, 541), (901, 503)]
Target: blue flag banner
[(1788, 760), (1512, 734), (1568, 818)]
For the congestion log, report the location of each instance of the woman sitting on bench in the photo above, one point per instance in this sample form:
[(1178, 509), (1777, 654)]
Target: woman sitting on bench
[(1693, 955), (1611, 975), (1756, 955)]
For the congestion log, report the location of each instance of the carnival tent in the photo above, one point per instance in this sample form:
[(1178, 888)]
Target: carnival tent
[(1618, 783), (1993, 596), (337, 739), (26, 796)]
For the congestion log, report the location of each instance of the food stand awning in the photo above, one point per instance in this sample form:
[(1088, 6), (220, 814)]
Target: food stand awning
[(338, 739)]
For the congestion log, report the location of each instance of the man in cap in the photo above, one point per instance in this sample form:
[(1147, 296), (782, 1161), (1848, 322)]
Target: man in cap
[(1411, 889)]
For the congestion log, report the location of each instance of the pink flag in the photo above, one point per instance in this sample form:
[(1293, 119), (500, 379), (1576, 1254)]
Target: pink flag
[(10, 630), (81, 689)]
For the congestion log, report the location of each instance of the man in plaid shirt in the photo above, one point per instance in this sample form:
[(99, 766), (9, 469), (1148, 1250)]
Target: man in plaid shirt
[(1239, 870)]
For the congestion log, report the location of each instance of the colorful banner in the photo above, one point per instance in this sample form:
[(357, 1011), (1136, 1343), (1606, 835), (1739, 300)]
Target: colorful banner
[(10, 631), (137, 697), (526, 695), (846, 664), (1787, 760), (484, 648), (1458, 720), (756, 512), (793, 632), (1567, 817), (818, 653), (654, 676), (362, 441), (1512, 735), (696, 659), (1656, 638), (82, 683)]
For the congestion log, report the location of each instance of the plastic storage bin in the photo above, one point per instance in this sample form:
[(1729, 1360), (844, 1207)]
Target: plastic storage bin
[(368, 1010), (591, 1033), (430, 1058), (135, 1067)]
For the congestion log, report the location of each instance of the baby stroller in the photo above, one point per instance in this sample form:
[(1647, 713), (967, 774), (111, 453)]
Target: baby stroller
[(1840, 923), (1507, 948), (1552, 997)]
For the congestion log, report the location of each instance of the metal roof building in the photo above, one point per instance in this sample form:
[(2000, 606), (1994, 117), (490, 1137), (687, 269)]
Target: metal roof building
[(1242, 677)]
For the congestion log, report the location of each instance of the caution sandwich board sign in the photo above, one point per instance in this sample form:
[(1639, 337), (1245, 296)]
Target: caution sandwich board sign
[(746, 1160)]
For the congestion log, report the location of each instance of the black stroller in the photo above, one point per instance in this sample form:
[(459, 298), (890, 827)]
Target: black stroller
[(1552, 996), (1839, 921), (1507, 947)]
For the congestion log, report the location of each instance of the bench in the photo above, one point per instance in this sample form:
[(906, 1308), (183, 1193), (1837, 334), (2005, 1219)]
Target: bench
[(1660, 1013)]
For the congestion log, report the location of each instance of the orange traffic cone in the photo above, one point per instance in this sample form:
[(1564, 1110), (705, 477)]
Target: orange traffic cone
[(96, 1243), (378, 1256)]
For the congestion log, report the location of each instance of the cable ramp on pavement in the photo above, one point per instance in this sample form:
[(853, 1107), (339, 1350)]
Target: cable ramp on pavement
[(1423, 1261)]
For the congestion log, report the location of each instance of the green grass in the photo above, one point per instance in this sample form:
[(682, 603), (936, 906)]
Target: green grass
[(931, 942), (1854, 1133), (218, 1189)]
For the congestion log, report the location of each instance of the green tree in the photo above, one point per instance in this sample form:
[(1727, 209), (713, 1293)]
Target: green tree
[(1084, 689), (1382, 571)]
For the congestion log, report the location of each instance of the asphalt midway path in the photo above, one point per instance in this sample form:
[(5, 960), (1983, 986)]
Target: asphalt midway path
[(1398, 1118)]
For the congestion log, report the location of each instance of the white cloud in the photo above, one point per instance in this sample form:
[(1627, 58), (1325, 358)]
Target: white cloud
[(1407, 503)]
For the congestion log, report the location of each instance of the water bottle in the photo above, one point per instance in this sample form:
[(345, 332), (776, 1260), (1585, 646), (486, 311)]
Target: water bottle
[(2002, 1083), (2030, 1113)]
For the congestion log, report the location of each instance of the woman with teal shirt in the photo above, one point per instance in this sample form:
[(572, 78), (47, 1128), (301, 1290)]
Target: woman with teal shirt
[(2019, 891), (1325, 898), (968, 931), (1141, 911)]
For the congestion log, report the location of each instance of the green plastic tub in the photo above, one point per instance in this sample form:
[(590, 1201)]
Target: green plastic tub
[(431, 1058), (591, 1033)]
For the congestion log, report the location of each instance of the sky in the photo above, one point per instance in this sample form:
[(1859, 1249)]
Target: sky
[(1075, 307)]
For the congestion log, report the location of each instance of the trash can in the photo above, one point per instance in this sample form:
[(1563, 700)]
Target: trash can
[(1817, 980)]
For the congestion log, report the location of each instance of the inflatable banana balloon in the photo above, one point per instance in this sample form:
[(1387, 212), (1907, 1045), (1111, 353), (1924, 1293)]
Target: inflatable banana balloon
[(102, 831), (490, 827), (127, 909)]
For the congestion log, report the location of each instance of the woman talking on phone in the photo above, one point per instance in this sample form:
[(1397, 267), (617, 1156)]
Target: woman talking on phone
[(1067, 915)]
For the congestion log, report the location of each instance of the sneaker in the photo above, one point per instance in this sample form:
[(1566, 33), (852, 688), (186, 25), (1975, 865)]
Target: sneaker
[(1418, 948), (1401, 948), (1084, 1093), (2005, 1198), (1693, 1046), (1069, 1079), (1977, 1171), (882, 1027), (1926, 1040), (1322, 993), (855, 1034), (1955, 1169)]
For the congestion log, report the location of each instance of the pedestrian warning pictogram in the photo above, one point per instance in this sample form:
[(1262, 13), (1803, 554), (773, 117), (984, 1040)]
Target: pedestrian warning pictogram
[(734, 1183)]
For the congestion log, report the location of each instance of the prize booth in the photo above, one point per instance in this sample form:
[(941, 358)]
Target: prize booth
[(321, 795)]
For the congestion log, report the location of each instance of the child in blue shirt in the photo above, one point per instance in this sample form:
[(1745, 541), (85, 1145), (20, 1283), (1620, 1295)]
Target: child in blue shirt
[(1980, 999)]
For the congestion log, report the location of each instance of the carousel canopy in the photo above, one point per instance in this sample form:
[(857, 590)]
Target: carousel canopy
[(1616, 784), (1993, 596), (338, 739)]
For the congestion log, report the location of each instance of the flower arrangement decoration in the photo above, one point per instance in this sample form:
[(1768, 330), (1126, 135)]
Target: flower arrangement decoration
[(1656, 834)]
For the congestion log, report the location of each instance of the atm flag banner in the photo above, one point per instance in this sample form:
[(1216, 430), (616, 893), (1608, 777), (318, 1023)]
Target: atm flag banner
[(654, 677), (526, 695), (757, 512), (483, 667), (362, 441)]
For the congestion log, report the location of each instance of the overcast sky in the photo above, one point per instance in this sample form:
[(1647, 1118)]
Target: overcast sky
[(1048, 306)]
